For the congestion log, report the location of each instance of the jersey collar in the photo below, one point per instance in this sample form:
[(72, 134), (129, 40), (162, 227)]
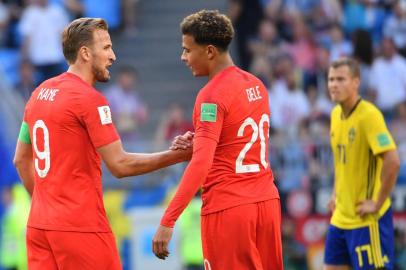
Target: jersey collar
[(352, 110)]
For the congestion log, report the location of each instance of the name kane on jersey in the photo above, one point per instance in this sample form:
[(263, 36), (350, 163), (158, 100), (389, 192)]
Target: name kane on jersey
[(47, 94)]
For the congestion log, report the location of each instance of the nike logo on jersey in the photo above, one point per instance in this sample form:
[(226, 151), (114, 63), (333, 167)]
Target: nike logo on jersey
[(47, 94), (253, 93)]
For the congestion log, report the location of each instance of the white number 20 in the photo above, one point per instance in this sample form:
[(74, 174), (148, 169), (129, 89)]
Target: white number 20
[(240, 168), (42, 155)]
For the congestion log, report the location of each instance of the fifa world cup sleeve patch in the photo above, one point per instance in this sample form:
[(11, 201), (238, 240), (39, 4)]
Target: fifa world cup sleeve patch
[(383, 139), (208, 112), (105, 115), (24, 134)]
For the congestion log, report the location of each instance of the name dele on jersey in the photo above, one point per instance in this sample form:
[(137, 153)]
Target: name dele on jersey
[(253, 93), (105, 115)]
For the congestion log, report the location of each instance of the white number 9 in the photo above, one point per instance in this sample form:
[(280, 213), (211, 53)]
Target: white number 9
[(42, 155)]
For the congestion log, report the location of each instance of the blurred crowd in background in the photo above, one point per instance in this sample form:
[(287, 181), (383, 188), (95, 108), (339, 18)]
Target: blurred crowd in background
[(289, 44)]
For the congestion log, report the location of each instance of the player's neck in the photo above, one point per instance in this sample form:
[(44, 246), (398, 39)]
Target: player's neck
[(221, 63), (82, 72), (349, 105)]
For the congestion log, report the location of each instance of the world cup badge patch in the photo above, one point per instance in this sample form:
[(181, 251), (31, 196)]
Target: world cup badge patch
[(105, 115), (208, 112)]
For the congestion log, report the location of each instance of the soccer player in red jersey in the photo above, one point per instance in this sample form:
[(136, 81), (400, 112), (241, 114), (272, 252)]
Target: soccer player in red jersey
[(67, 130), (241, 216)]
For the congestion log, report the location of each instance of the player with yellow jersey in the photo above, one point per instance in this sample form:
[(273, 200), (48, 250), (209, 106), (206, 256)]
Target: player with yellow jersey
[(366, 164)]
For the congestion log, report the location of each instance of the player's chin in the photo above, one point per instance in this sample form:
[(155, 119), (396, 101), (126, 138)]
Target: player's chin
[(104, 78), (334, 98), (198, 74)]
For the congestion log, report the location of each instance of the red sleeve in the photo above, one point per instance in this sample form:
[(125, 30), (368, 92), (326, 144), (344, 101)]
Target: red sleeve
[(96, 115), (195, 173), (209, 129)]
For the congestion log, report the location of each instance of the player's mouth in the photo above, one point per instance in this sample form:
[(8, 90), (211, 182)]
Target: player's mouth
[(334, 93)]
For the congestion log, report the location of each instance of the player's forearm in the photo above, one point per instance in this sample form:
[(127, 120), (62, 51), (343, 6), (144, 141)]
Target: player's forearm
[(25, 170), (136, 163), (192, 180), (390, 169), (24, 163)]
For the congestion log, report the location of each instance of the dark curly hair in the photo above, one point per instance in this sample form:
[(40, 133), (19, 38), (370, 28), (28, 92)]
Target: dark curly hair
[(209, 27)]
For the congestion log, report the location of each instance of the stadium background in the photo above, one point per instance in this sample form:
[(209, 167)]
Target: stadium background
[(287, 43)]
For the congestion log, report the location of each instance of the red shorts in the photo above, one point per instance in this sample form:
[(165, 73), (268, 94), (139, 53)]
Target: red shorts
[(71, 250), (244, 237)]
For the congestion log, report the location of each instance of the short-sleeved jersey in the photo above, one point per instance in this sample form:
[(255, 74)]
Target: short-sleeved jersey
[(68, 119), (233, 109), (356, 143)]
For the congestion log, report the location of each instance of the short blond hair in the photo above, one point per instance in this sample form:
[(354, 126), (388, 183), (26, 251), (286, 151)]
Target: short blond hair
[(80, 33), (352, 65)]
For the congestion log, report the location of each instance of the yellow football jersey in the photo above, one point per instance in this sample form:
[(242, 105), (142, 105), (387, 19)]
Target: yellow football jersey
[(356, 142)]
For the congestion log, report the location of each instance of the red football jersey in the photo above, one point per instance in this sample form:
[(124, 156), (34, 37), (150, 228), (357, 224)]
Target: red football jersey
[(233, 109), (68, 119)]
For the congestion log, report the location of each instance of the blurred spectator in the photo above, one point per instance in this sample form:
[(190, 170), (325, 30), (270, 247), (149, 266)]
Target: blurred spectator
[(339, 47), (130, 15), (364, 54), (330, 10), (246, 16), (320, 105), (75, 8), (293, 175), (365, 14), (261, 67), (14, 10), (374, 18), (271, 8), (128, 110), (266, 45), (265, 49), (26, 83), (397, 125), (353, 16), (41, 26), (302, 49), (109, 10), (388, 78), (327, 13), (173, 123), (289, 104), (303, 7), (395, 26), (322, 66)]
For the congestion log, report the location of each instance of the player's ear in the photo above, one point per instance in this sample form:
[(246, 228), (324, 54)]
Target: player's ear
[(357, 82), (84, 53), (211, 51)]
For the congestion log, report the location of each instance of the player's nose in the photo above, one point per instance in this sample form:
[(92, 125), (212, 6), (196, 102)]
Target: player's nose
[(113, 56), (183, 57)]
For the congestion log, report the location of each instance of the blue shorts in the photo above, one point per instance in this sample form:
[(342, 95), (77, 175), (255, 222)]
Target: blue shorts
[(370, 247)]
